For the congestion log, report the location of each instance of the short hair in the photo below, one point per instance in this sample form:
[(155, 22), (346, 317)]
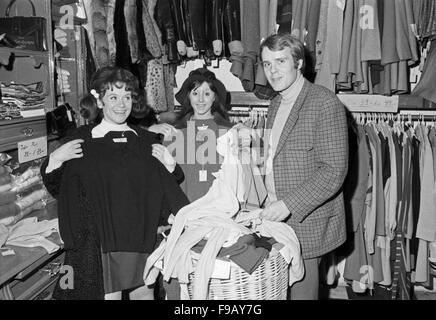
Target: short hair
[(280, 41), (104, 78)]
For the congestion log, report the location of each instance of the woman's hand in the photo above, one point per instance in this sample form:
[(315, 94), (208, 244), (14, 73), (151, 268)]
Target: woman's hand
[(67, 151), (162, 154), (164, 128)]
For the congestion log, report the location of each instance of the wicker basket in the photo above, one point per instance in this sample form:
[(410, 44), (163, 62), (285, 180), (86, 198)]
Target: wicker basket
[(268, 282)]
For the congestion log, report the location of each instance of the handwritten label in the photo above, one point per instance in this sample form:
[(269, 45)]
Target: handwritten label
[(369, 103), (32, 149)]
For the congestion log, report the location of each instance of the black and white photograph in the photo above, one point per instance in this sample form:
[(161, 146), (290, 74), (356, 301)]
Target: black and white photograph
[(215, 156)]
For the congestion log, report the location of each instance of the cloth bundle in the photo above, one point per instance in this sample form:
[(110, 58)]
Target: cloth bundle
[(20, 195), (212, 217), (31, 233)]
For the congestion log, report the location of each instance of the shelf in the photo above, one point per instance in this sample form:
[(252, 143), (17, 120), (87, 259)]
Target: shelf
[(247, 98), (26, 53), (20, 120)]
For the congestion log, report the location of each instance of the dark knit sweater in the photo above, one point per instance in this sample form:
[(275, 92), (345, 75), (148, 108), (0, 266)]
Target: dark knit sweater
[(111, 199)]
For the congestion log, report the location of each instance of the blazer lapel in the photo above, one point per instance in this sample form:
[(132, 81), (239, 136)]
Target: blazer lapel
[(293, 117), (272, 111)]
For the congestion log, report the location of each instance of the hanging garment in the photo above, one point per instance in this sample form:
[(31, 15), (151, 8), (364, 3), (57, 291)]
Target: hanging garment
[(151, 37), (164, 19), (321, 34), (284, 15), (425, 86), (87, 4), (356, 183), (330, 65), (151, 5), (389, 47), (426, 228), (344, 78), (130, 15), (99, 30), (140, 69), (427, 21), (195, 20), (232, 27), (123, 56), (155, 88), (300, 9), (179, 25), (110, 30), (217, 27), (310, 40), (263, 19)]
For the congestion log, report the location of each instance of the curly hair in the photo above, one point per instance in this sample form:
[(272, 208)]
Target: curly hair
[(107, 77)]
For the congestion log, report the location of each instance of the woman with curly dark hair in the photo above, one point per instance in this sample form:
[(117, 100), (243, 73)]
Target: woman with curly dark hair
[(113, 193)]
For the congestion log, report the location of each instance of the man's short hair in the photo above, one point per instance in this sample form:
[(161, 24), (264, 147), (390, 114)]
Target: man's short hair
[(277, 42)]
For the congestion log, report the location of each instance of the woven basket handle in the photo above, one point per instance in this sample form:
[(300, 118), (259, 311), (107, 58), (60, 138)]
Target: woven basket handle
[(11, 3)]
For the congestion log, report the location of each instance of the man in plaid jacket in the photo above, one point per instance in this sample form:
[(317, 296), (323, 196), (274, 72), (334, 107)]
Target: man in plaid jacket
[(306, 158)]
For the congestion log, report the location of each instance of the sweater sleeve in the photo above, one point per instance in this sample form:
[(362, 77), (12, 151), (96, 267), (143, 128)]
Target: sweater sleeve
[(178, 174), (52, 180), (174, 198)]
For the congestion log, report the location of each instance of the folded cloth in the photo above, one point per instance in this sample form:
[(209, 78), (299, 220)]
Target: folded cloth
[(3, 170), (34, 241), (281, 232), (250, 259), (31, 226), (7, 197), (5, 179), (4, 233), (248, 252), (9, 210), (31, 233)]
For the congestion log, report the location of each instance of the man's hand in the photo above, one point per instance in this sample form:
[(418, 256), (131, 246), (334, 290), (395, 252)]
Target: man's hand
[(275, 211), (163, 155)]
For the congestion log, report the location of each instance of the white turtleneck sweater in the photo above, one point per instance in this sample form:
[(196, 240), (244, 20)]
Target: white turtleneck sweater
[(289, 96), (100, 130)]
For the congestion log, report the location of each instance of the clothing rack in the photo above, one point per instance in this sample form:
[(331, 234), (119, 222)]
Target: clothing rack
[(409, 115), (242, 111)]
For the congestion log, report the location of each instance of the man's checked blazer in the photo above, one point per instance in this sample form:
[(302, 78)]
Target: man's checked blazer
[(310, 165)]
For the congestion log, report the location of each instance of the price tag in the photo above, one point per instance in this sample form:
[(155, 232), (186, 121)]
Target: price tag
[(7, 252), (70, 117), (120, 140), (369, 103), (202, 175), (32, 149), (221, 269)]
